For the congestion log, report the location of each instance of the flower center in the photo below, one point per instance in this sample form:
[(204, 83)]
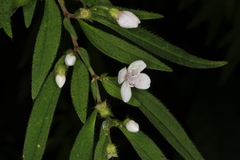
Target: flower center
[(132, 77)]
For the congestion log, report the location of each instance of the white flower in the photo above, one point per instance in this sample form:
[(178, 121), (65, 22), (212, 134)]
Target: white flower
[(60, 80), (127, 19), (70, 59), (132, 126), (132, 77)]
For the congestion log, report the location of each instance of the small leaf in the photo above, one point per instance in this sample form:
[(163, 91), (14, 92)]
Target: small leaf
[(162, 119), (119, 49), (5, 16), (18, 3), (80, 89), (160, 47), (83, 146), (46, 46), (143, 145), (40, 120), (143, 15), (28, 11), (94, 88), (68, 26), (85, 57), (113, 88), (100, 150), (91, 3)]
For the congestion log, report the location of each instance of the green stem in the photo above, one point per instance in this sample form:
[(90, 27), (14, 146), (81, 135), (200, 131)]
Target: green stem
[(76, 49)]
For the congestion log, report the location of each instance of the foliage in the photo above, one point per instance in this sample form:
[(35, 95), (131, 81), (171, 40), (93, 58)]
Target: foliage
[(122, 45)]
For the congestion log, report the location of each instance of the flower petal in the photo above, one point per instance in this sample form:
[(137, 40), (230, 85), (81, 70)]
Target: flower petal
[(60, 80), (126, 92), (137, 65), (127, 19), (132, 126), (121, 75), (143, 81)]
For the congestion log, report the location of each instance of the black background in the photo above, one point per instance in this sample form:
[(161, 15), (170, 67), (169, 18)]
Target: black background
[(206, 106)]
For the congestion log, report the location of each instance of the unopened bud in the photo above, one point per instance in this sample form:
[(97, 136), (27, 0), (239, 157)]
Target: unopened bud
[(70, 59), (125, 19), (111, 151), (132, 126), (103, 109), (60, 80)]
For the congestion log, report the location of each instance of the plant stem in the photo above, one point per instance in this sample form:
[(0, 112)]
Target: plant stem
[(76, 49)]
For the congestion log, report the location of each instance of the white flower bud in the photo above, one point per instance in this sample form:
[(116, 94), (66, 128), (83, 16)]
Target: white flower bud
[(132, 126), (127, 19), (60, 80), (70, 59)]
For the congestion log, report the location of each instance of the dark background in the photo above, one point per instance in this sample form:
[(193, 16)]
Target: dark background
[(205, 101)]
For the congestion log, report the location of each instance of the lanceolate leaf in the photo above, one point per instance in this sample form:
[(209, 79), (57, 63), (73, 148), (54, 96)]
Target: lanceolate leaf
[(143, 145), (80, 89), (18, 3), (5, 16), (91, 3), (83, 146), (46, 46), (120, 49), (40, 120), (143, 15), (28, 11), (159, 46), (100, 150), (113, 88), (68, 26), (162, 119)]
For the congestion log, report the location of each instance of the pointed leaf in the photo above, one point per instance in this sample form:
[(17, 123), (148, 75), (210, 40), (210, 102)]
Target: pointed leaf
[(119, 49), (143, 145), (113, 88), (162, 119), (83, 146), (68, 26), (5, 16), (18, 3), (85, 57), (40, 120), (91, 3), (100, 150), (143, 15), (46, 46), (80, 89), (159, 46), (28, 11)]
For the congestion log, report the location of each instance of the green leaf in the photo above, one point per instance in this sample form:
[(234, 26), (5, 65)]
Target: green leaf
[(119, 49), (40, 120), (143, 145), (83, 146), (46, 46), (162, 119), (160, 47), (5, 16), (91, 3), (80, 89), (143, 15), (28, 11), (85, 57), (68, 26), (100, 150), (18, 3), (113, 88)]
